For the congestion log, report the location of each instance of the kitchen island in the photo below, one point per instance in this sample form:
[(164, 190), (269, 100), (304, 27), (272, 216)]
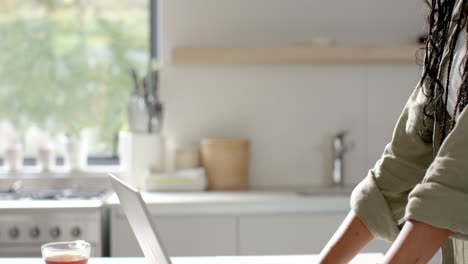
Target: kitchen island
[(370, 258)]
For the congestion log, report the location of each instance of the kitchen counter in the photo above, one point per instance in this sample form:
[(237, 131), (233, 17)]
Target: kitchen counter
[(56, 204), (33, 172), (224, 202), (240, 202), (371, 258)]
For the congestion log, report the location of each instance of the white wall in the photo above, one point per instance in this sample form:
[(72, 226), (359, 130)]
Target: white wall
[(290, 112), (238, 22)]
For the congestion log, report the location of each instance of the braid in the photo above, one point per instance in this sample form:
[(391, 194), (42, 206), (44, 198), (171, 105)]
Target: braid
[(449, 71), (462, 97), (439, 19)]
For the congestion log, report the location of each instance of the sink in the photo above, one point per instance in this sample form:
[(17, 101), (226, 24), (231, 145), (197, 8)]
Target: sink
[(326, 191)]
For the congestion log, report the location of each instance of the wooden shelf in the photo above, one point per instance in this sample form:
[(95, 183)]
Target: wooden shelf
[(295, 54)]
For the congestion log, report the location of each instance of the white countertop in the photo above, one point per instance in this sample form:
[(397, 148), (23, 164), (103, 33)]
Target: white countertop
[(33, 172), (288, 199), (225, 202), (293, 259), (54, 204), (239, 202)]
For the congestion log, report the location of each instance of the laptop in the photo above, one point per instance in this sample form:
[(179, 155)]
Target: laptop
[(139, 218)]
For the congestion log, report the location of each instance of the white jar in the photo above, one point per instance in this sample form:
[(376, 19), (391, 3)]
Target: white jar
[(76, 154), (46, 157), (187, 158), (13, 157)]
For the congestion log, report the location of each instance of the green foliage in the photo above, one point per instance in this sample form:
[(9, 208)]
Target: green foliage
[(68, 69)]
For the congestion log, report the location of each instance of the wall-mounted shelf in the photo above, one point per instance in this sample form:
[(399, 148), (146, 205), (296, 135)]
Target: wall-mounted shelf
[(296, 54)]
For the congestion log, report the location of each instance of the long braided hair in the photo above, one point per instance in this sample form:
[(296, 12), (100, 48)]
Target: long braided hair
[(439, 19)]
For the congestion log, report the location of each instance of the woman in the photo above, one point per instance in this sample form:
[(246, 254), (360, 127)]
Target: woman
[(417, 193)]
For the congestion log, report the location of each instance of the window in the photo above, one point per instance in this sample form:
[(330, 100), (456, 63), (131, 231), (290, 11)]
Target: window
[(65, 68)]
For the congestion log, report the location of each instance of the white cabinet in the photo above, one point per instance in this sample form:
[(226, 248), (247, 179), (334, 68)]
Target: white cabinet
[(242, 226), (286, 234), (182, 235), (291, 234)]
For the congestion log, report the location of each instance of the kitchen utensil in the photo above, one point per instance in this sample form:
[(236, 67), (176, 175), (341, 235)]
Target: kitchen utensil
[(137, 111), (136, 86), (137, 114), (152, 102)]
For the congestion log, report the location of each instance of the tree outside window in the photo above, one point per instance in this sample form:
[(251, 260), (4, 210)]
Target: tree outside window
[(64, 66)]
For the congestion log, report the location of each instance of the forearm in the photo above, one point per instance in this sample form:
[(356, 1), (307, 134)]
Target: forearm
[(416, 243), (347, 241)]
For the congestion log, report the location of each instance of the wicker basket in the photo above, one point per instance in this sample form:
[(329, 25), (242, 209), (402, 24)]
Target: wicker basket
[(226, 162)]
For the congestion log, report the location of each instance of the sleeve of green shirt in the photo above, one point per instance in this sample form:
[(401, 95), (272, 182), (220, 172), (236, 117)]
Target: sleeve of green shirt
[(441, 200), (381, 198)]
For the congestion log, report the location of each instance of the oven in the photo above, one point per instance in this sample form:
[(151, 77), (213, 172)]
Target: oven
[(24, 230), (33, 215)]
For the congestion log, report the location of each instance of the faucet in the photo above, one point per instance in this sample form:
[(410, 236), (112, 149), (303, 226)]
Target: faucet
[(339, 149)]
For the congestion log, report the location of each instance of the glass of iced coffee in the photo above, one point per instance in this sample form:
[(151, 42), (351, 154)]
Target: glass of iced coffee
[(69, 252)]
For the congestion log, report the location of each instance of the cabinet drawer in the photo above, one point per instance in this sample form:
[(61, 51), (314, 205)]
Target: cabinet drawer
[(181, 235), (286, 234)]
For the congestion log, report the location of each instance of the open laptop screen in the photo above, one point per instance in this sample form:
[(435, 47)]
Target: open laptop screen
[(139, 218)]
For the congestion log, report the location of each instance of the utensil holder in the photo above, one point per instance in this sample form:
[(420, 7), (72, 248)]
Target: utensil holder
[(146, 152)]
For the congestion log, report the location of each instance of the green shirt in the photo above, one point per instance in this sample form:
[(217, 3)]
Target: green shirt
[(418, 179)]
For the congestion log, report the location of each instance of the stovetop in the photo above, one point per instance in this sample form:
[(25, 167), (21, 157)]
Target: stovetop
[(56, 194), (54, 189)]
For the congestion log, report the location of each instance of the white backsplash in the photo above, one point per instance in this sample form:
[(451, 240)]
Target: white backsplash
[(290, 113)]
